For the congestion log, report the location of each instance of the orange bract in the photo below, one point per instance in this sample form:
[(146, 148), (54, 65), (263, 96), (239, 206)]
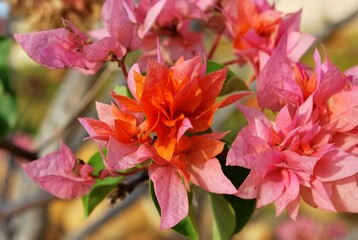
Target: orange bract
[(177, 99)]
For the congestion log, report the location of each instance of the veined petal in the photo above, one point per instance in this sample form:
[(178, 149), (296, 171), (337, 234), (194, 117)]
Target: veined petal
[(209, 176), (171, 194), (270, 189), (122, 156), (55, 173), (345, 194), (202, 149), (150, 18), (96, 128), (104, 112), (99, 51), (56, 49), (290, 193), (335, 165), (132, 83), (318, 195)]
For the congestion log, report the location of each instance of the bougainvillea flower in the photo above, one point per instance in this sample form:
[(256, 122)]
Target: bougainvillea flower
[(171, 22), (120, 22), (308, 228), (281, 82), (61, 174), (118, 130), (193, 162), (193, 159), (163, 94), (58, 48), (293, 157), (69, 48), (257, 29), (334, 185)]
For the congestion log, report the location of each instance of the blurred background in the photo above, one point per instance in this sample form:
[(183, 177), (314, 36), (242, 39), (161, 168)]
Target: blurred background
[(46, 105)]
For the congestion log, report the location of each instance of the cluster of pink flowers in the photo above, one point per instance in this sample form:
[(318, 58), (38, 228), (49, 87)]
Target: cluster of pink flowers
[(309, 151)]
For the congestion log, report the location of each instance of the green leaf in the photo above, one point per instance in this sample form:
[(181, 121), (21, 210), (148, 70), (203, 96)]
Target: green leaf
[(98, 192), (243, 208), (185, 227), (122, 90), (223, 217), (8, 113), (232, 83), (96, 162), (4, 57), (8, 107)]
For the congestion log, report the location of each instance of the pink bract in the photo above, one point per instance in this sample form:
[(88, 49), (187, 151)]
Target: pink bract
[(293, 157), (60, 174)]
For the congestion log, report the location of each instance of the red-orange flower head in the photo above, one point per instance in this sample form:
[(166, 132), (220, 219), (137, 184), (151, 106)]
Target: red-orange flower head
[(177, 99)]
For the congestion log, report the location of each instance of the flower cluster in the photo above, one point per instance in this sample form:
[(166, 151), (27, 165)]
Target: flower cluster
[(164, 126), (311, 148)]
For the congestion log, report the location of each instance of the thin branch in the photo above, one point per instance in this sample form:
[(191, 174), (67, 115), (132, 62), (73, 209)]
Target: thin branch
[(18, 151), (214, 46), (122, 65), (330, 29), (123, 190), (111, 213), (28, 203), (231, 62)]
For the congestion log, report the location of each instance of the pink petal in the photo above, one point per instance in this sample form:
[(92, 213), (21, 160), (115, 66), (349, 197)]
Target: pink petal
[(122, 156), (209, 176), (245, 148), (302, 165), (291, 192), (353, 71), (55, 173), (99, 51), (270, 189), (347, 141), (343, 109), (330, 80), (115, 12), (171, 194), (271, 79), (297, 44), (345, 194), (335, 165), (130, 80), (99, 33), (56, 49), (186, 124), (96, 129), (104, 112), (249, 188), (150, 18), (292, 208), (318, 195), (189, 69)]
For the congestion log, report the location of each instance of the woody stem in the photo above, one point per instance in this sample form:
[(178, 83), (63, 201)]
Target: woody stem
[(214, 46), (123, 67)]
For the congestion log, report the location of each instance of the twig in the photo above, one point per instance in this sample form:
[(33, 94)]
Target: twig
[(123, 190), (34, 201), (132, 198), (230, 62), (122, 65), (18, 151), (214, 46), (332, 28)]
